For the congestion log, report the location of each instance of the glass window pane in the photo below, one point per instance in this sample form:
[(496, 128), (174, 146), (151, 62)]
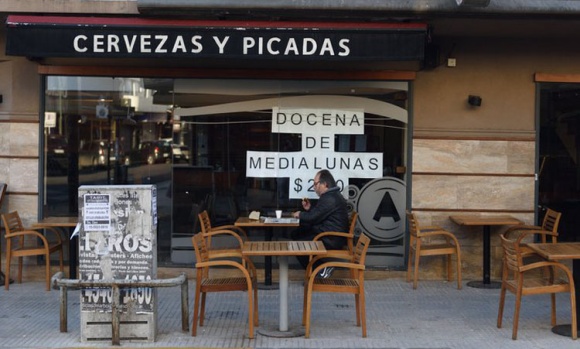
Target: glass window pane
[(192, 138)]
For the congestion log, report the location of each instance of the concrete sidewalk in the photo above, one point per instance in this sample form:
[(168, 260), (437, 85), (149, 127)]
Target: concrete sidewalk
[(436, 315)]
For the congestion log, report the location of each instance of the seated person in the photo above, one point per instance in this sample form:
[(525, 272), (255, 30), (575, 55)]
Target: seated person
[(329, 214)]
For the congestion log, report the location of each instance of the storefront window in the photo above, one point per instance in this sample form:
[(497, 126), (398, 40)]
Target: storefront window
[(217, 145)]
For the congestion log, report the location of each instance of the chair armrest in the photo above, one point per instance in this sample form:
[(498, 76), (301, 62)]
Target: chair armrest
[(339, 254), (439, 233), (225, 232), (232, 227), (430, 227), (522, 227), (353, 266), (332, 233), (542, 264), (54, 231), (224, 263), (225, 253), (250, 266), (539, 232), (27, 233), (344, 256)]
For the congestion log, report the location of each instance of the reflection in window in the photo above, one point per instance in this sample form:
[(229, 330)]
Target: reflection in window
[(190, 138)]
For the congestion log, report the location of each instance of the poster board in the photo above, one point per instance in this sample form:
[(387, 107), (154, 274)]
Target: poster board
[(118, 240)]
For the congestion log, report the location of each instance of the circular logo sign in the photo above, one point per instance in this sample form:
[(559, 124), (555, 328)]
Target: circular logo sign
[(381, 208)]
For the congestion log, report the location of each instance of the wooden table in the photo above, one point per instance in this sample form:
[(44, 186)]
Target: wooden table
[(486, 222), (245, 222), (283, 249), (556, 252), (65, 223)]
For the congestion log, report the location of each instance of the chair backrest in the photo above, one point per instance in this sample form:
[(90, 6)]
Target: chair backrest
[(512, 256), (352, 226), (413, 224), (201, 251), (551, 220), (361, 248), (12, 222), (204, 221), (352, 221)]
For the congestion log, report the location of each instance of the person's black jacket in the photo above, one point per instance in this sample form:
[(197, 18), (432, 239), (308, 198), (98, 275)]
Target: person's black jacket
[(329, 214)]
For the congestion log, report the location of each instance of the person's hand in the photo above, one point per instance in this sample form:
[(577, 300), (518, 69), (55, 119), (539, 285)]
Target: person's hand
[(306, 204), (296, 214)]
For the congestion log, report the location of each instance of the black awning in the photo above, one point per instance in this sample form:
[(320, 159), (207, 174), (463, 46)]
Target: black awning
[(99, 37)]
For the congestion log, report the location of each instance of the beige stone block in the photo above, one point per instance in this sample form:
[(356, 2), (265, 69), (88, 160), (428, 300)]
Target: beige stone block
[(24, 139), (4, 170), (434, 191), (4, 139), (459, 156), (473, 156), (23, 175), (522, 157), (432, 155), (495, 193), (26, 205), (473, 192)]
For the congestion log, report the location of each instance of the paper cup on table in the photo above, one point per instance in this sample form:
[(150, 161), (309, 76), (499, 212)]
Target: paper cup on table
[(278, 213)]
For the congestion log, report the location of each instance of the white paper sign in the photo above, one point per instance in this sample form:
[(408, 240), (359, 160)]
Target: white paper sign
[(318, 128), (49, 119), (97, 212)]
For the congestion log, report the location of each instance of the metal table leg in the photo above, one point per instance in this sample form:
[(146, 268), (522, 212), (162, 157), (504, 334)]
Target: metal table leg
[(486, 283), (268, 284)]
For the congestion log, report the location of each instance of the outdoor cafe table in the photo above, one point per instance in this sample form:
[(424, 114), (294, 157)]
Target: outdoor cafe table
[(486, 222), (283, 249), (65, 223), (269, 224), (556, 252)]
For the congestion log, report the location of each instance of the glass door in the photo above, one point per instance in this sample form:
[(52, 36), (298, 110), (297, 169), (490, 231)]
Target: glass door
[(559, 155)]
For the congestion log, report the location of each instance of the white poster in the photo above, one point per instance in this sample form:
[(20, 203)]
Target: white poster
[(318, 128), (49, 119), (97, 212)]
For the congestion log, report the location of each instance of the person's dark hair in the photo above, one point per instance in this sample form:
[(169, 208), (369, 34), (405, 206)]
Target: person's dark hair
[(324, 176)]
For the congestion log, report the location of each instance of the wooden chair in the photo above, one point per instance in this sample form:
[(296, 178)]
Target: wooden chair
[(17, 246), (548, 230), (245, 281), (349, 249), (353, 284), (520, 279), (431, 241), (224, 230)]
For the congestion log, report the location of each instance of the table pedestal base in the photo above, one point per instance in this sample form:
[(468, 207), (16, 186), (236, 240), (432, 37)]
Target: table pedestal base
[(481, 284), (563, 330), (276, 333)]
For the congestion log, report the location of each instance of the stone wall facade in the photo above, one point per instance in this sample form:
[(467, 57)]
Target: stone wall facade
[(484, 177)]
